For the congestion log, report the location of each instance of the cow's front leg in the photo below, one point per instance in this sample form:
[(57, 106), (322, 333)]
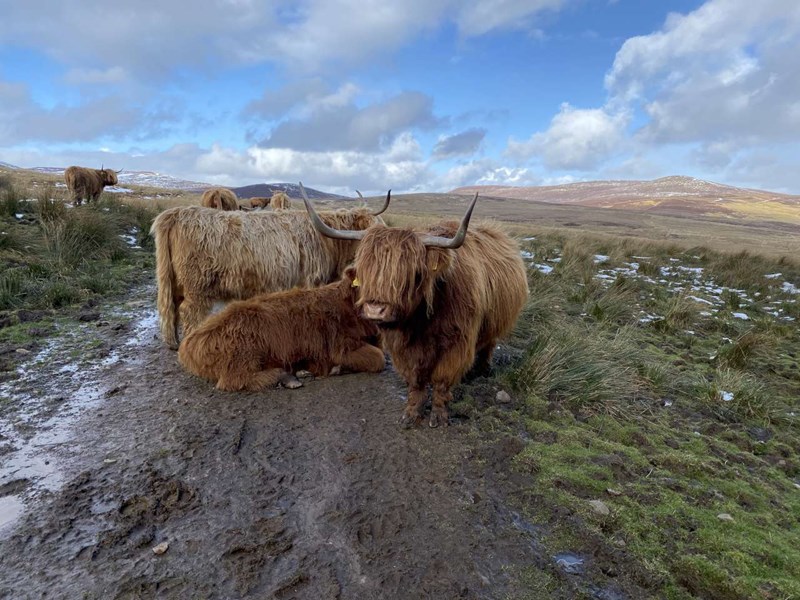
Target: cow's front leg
[(441, 398), (412, 415)]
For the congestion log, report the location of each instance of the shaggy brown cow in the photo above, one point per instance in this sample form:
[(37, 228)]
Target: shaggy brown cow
[(259, 202), (280, 201), (88, 183), (204, 255), (219, 198), (440, 310), (256, 343)]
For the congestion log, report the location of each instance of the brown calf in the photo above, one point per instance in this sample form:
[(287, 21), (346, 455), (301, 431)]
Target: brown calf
[(256, 343)]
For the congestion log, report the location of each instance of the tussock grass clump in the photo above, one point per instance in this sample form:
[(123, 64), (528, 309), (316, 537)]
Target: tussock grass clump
[(81, 235), (679, 312), (736, 396), (580, 366), (10, 201), (49, 209), (10, 288), (745, 348)]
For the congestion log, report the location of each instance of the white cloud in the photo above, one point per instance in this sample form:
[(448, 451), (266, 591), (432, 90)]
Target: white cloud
[(79, 76), (150, 38), (578, 139), (724, 71), (335, 122), (478, 18)]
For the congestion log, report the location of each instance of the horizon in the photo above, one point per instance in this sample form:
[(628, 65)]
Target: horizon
[(416, 96)]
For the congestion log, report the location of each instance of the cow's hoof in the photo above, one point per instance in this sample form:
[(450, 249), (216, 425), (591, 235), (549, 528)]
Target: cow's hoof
[(408, 421), (303, 374), (337, 370), (438, 420), (291, 382)]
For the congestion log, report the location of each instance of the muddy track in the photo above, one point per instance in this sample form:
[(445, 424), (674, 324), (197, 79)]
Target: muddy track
[(309, 493)]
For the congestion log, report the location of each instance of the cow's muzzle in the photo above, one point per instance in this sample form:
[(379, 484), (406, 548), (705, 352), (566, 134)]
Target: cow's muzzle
[(382, 313)]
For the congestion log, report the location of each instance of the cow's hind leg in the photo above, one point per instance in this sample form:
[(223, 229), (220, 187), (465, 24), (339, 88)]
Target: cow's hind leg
[(483, 362), (366, 359), (192, 312), (448, 372), (234, 381)]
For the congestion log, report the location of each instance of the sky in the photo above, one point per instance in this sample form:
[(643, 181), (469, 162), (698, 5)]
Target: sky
[(413, 95)]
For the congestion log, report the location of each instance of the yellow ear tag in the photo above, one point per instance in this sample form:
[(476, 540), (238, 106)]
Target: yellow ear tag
[(355, 283)]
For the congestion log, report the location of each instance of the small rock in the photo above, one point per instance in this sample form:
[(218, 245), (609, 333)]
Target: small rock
[(724, 517), (613, 492), (22, 351), (161, 548), (87, 317), (109, 461), (503, 397), (600, 507)]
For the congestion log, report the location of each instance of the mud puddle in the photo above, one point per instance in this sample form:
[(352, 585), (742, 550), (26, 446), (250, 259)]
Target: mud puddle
[(308, 493)]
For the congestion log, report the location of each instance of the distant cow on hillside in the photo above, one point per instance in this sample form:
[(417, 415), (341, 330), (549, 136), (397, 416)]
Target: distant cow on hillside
[(219, 198), (257, 203), (204, 256), (256, 343), (88, 183)]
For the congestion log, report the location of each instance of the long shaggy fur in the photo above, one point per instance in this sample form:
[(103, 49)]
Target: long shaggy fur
[(280, 201), (445, 309), (87, 183), (219, 198), (259, 202), (204, 255), (253, 344)]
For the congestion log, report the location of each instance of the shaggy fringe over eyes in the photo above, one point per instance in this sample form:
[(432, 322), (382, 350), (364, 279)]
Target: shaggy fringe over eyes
[(387, 262)]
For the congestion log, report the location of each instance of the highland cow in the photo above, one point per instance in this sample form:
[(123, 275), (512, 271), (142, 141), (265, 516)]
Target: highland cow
[(219, 198), (441, 300), (256, 203), (257, 343), (280, 201), (204, 255), (88, 183)]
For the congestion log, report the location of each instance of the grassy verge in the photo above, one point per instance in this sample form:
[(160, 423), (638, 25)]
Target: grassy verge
[(664, 384), (54, 256)]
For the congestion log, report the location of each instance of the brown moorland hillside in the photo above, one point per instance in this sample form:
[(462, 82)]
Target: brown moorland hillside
[(677, 196)]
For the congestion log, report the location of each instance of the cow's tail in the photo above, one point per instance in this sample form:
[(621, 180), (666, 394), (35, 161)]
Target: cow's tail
[(165, 278)]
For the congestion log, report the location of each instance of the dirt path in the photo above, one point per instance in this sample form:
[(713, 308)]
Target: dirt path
[(309, 493)]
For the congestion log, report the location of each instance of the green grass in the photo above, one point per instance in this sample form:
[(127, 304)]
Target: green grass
[(685, 415), (57, 256)]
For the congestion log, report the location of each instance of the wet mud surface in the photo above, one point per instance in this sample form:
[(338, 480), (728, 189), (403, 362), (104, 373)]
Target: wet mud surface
[(308, 493)]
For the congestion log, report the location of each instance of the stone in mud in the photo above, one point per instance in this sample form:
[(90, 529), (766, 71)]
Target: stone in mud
[(600, 507), (724, 517), (503, 397), (160, 548)]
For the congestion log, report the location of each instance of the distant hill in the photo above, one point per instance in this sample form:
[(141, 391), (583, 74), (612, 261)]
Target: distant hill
[(675, 195), (265, 190)]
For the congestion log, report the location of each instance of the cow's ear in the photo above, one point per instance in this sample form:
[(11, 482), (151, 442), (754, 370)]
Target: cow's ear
[(439, 260), (350, 276)]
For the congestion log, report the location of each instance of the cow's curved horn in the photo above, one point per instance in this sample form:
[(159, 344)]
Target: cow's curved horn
[(458, 239), (359, 194), (324, 228), (385, 204), (120, 171)]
